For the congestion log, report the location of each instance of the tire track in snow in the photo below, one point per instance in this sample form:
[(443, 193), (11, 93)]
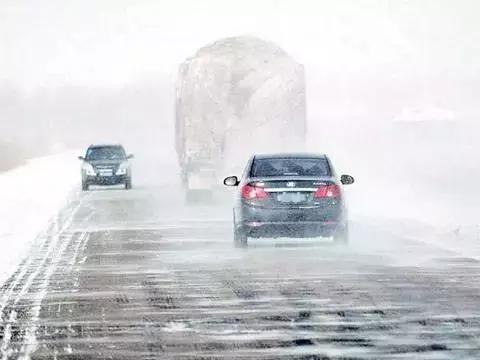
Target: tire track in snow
[(47, 259)]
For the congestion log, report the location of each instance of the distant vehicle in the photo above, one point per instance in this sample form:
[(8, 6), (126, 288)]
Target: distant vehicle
[(106, 165), (291, 195)]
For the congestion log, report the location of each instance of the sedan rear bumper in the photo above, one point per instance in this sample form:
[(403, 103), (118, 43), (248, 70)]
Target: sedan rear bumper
[(291, 221), (298, 229), (328, 212)]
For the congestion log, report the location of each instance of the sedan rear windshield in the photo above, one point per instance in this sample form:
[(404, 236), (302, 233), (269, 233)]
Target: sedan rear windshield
[(290, 167), (106, 153)]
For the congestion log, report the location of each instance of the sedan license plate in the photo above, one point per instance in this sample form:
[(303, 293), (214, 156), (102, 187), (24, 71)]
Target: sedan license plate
[(292, 197)]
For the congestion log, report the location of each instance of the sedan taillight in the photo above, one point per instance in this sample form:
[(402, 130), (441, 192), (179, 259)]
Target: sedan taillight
[(328, 191), (250, 192)]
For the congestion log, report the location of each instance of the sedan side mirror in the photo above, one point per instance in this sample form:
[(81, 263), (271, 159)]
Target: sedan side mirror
[(131, 156), (81, 158), (231, 181), (347, 179)]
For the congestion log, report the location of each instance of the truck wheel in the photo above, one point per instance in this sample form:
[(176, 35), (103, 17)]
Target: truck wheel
[(85, 186), (340, 235), (240, 238), (128, 184)]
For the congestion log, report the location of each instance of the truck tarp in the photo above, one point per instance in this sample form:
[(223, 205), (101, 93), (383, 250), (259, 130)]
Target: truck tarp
[(235, 97)]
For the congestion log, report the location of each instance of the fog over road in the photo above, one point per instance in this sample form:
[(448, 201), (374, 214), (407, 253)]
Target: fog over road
[(137, 275)]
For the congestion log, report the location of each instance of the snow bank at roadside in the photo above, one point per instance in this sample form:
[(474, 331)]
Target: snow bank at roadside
[(418, 213), (30, 196)]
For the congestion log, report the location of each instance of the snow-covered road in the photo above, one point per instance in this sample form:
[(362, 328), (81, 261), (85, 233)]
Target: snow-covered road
[(137, 275), (30, 197)]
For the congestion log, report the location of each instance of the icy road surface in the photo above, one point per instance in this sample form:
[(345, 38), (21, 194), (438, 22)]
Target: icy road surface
[(135, 275)]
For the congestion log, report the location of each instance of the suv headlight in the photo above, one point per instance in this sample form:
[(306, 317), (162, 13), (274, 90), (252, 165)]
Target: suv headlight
[(123, 169), (89, 170)]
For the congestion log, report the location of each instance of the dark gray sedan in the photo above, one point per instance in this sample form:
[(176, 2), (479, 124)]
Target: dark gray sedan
[(289, 195)]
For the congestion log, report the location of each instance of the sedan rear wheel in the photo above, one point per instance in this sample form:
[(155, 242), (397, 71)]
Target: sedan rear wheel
[(341, 235), (240, 238)]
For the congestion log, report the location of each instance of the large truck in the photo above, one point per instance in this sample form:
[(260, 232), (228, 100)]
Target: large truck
[(235, 97)]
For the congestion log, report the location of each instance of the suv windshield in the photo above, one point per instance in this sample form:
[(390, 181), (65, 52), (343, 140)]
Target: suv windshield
[(290, 167), (106, 153)]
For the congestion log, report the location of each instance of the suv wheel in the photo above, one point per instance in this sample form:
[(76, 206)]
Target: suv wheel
[(85, 186), (128, 184)]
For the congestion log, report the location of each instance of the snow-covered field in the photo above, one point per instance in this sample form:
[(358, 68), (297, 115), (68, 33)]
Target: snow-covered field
[(31, 196), (421, 216)]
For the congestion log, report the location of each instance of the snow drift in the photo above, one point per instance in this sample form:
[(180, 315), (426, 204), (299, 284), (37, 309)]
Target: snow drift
[(31, 196)]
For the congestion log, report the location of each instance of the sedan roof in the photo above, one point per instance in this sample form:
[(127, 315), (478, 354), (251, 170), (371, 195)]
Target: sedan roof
[(291, 155), (94, 146)]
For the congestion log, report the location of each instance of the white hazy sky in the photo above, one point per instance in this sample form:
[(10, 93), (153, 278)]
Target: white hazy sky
[(111, 42)]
